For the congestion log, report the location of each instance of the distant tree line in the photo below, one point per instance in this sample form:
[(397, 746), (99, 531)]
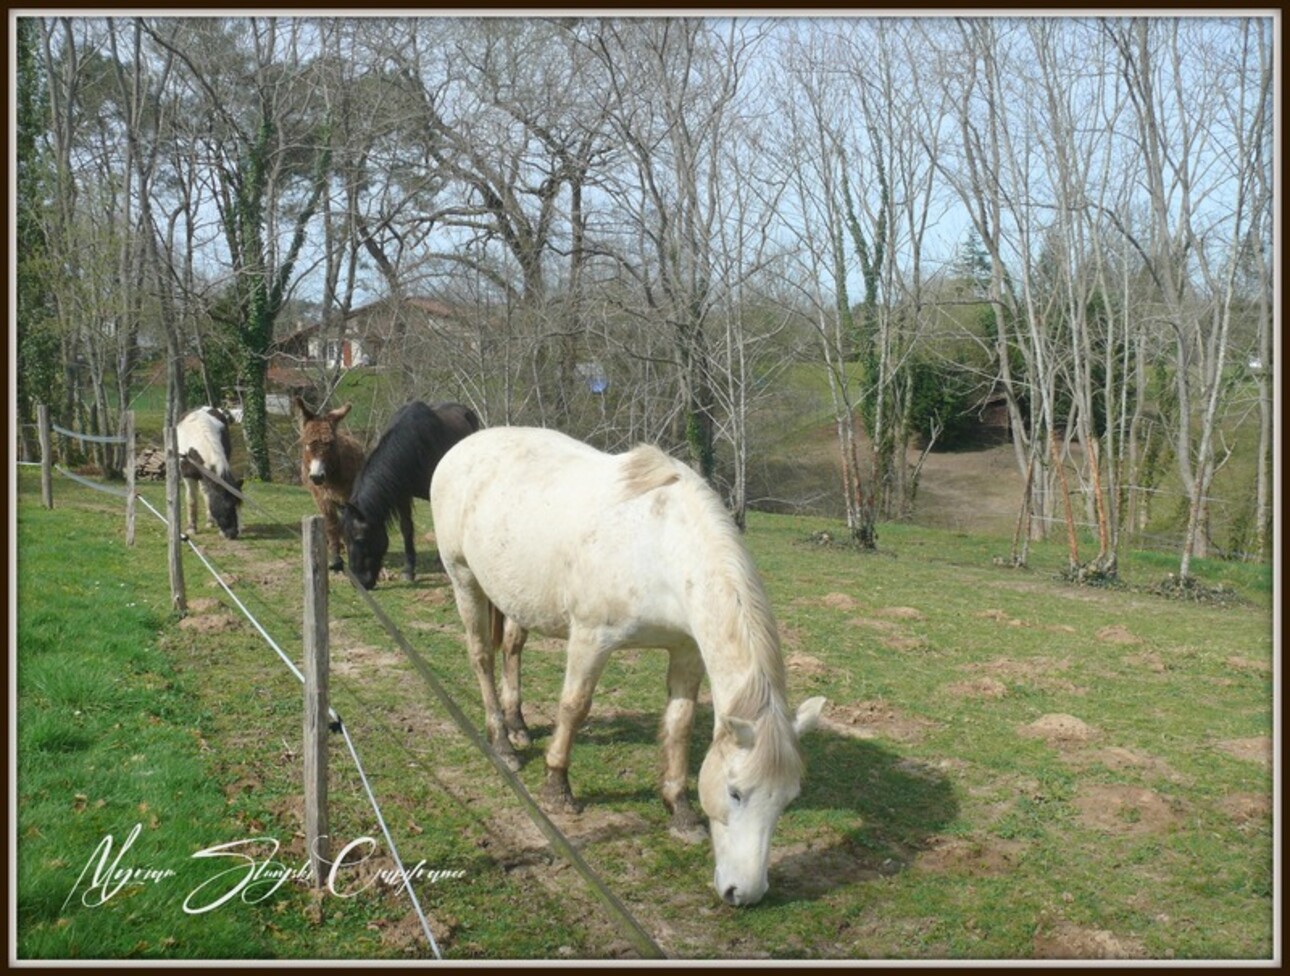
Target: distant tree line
[(645, 224)]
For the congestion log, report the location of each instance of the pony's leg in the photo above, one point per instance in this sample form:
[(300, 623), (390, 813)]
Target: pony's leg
[(409, 542), (331, 525), (586, 660), (191, 486), (513, 637), (477, 616), (684, 673)]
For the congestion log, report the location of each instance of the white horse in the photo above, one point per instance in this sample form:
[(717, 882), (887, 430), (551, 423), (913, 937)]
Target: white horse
[(632, 550)]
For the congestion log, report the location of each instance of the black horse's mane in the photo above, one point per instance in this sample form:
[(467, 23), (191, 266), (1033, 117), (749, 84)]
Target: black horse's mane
[(405, 457)]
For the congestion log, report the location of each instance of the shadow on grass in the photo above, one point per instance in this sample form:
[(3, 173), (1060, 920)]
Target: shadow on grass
[(891, 806), (269, 530), (898, 805)]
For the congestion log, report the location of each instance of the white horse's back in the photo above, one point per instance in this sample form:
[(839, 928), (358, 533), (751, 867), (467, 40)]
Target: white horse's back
[(555, 532)]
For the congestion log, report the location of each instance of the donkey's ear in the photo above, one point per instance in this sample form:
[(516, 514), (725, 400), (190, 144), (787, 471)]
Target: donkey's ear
[(337, 415), (305, 413), (741, 730), (808, 715)]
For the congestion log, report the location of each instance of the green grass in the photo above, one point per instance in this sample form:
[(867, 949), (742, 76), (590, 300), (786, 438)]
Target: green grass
[(941, 830)]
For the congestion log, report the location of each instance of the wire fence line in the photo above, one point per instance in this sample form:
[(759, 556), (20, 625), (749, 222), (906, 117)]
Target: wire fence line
[(626, 922), (338, 724)]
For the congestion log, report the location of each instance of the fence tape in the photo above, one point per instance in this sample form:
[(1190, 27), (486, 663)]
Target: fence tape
[(629, 926), (336, 723), (94, 438), (105, 489)]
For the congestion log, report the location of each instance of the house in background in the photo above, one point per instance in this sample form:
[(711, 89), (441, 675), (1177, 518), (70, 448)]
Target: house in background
[(372, 335)]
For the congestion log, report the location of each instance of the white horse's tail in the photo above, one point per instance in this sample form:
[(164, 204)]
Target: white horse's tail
[(496, 625)]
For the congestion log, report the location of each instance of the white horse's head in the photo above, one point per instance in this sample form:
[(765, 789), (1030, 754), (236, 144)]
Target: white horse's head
[(751, 773)]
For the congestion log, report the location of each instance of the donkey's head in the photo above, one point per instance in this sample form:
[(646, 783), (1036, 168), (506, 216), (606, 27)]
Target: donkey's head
[(318, 439)]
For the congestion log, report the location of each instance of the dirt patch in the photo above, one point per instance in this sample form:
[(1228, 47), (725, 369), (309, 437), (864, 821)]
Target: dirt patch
[(976, 856), (209, 623), (1126, 809), (1246, 664), (904, 643), (1066, 940), (435, 596), (999, 616), (901, 613), (876, 720), (1117, 634), (806, 664), (1256, 749), (363, 660), (1119, 759), (815, 868), (1247, 808), (1038, 673), (1148, 661), (882, 626), (204, 604), (1059, 729), (839, 601), (980, 688)]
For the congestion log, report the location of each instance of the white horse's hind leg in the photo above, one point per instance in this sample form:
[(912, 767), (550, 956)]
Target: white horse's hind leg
[(684, 673), (513, 637), (477, 616), (586, 660)]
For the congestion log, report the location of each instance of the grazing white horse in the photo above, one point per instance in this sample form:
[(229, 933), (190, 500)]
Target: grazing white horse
[(202, 436), (630, 550)]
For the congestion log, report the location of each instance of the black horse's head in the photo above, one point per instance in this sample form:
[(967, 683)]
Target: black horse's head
[(366, 542)]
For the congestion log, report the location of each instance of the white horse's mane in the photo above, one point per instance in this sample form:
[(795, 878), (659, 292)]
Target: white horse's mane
[(751, 624)]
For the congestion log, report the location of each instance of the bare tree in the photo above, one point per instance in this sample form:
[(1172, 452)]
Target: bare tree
[(1176, 81)]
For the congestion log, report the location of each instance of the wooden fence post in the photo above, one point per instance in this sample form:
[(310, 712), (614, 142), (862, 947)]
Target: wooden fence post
[(46, 456), (317, 709), (178, 597), (130, 462)]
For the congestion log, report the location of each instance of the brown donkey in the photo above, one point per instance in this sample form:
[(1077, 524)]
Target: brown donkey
[(329, 463)]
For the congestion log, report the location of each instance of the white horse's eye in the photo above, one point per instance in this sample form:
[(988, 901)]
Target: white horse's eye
[(735, 795)]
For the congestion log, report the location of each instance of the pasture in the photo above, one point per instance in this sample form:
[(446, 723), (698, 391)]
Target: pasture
[(1009, 767)]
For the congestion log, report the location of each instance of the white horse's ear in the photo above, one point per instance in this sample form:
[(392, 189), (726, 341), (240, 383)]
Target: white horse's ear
[(808, 714), (741, 730)]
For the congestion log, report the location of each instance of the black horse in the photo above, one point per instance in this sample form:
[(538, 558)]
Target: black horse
[(399, 469)]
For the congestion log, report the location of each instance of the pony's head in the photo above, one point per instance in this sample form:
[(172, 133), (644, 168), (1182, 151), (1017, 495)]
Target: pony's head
[(366, 542), (751, 773), (318, 439), (225, 507)]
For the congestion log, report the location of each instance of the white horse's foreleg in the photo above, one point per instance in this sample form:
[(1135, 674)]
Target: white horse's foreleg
[(586, 660), (684, 673), (513, 637)]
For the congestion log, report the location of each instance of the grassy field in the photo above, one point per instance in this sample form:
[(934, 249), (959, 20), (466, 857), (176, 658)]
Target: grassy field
[(1010, 767)]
